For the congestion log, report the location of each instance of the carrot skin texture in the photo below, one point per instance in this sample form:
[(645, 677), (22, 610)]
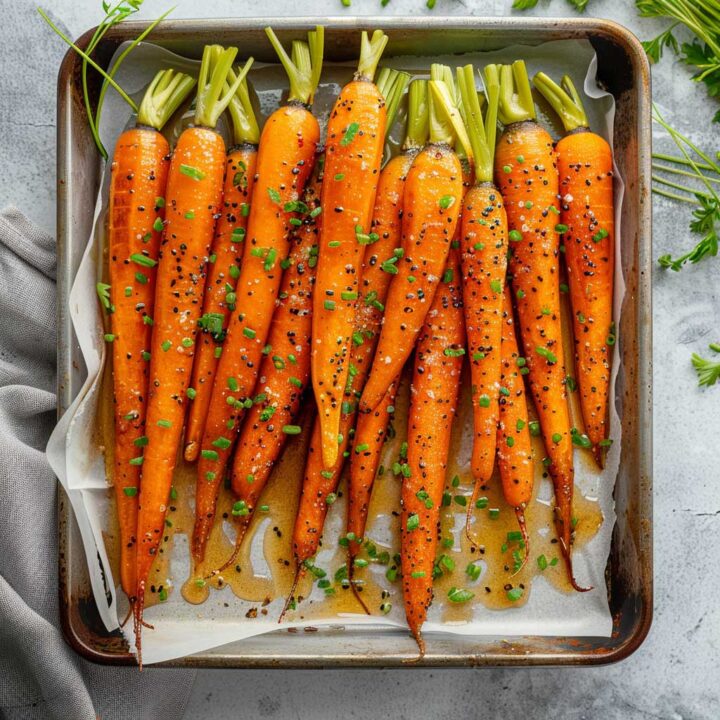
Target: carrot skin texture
[(371, 430), (138, 178), (375, 282), (180, 282), (514, 447), (586, 191), (427, 230), (433, 404), (354, 148), (261, 440), (286, 156), (483, 247), (534, 267), (227, 247)]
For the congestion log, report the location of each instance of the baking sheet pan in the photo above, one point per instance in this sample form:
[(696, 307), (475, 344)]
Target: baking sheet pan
[(624, 71)]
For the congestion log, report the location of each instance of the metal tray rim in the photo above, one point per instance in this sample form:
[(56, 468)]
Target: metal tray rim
[(586, 27)]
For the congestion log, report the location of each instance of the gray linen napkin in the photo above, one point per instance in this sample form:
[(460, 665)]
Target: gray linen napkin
[(40, 676)]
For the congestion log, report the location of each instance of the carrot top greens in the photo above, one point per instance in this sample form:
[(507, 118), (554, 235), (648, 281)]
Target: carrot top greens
[(304, 65), (392, 84), (446, 125), (565, 100), (516, 101), (163, 97), (371, 49), (481, 133), (114, 15), (212, 82), (416, 134), (245, 127)]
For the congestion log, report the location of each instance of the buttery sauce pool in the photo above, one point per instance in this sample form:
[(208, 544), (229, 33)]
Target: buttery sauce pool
[(263, 569)]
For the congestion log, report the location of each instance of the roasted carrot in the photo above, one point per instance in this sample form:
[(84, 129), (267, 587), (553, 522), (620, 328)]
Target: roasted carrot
[(284, 371), (526, 173), (225, 261), (387, 224), (354, 148), (320, 482), (285, 160), (431, 207), (483, 258), (514, 449), (192, 200), (588, 225), (136, 198), (433, 403)]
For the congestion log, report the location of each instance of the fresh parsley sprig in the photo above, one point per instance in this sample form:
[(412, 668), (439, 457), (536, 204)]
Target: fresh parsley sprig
[(702, 18), (706, 213), (579, 5), (708, 371)]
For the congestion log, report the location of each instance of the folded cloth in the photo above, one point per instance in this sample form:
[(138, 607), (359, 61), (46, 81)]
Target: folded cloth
[(40, 675)]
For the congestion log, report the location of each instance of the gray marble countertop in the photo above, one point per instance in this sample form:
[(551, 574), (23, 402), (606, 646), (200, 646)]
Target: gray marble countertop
[(674, 675)]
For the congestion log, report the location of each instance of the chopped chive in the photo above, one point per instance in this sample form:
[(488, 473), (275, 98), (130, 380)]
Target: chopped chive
[(291, 429), (351, 131), (209, 455), (459, 595), (447, 201), (130, 491), (192, 172)]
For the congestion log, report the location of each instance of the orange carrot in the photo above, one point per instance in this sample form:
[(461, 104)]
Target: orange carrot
[(433, 402), (514, 450), (225, 261), (355, 133), (588, 223), (320, 482), (137, 189), (431, 206), (387, 224), (483, 246), (284, 371), (286, 156), (370, 434), (193, 196), (526, 173)]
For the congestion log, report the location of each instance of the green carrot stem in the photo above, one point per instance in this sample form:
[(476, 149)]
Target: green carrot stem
[(163, 97), (674, 196), (564, 101), (681, 161), (684, 173), (677, 186), (304, 67), (416, 134), (681, 141), (446, 124), (211, 103), (471, 111), (245, 126), (516, 101), (392, 84), (371, 50), (89, 60), (116, 65)]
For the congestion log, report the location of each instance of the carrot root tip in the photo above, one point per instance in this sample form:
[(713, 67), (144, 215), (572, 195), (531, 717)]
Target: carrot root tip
[(353, 586), (191, 451)]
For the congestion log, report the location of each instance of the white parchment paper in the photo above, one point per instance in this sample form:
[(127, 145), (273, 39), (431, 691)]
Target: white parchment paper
[(73, 451)]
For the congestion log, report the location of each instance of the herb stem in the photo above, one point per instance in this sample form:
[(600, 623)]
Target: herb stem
[(371, 49), (685, 173)]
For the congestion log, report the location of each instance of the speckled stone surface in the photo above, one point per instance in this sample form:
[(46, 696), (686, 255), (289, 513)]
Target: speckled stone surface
[(674, 675)]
